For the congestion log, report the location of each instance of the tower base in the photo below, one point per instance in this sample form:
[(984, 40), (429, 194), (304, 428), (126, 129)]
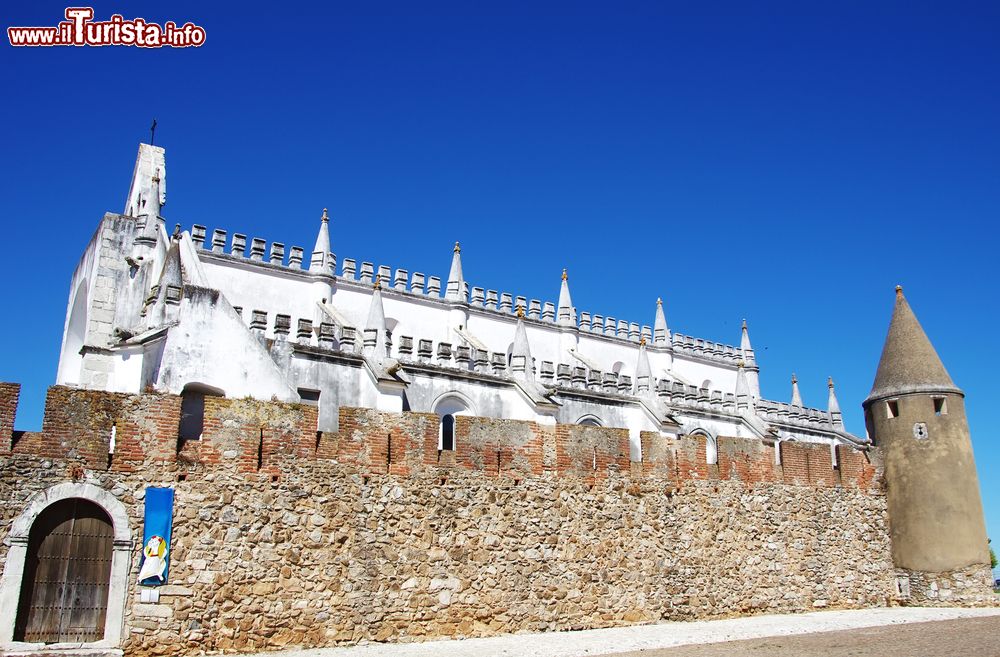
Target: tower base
[(971, 586)]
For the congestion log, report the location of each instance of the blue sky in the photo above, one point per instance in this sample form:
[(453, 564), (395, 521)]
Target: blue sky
[(785, 162)]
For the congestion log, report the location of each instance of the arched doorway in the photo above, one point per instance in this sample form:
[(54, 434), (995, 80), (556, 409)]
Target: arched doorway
[(37, 520), (67, 574)]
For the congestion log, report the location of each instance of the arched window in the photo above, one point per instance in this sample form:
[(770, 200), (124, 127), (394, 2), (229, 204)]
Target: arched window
[(447, 441), (447, 408), (590, 421)]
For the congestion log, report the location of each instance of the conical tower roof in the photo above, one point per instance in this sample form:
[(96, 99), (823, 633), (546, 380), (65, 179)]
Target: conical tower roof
[(909, 362)]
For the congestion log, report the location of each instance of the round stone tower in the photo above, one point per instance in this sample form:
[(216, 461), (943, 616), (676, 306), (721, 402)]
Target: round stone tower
[(916, 415)]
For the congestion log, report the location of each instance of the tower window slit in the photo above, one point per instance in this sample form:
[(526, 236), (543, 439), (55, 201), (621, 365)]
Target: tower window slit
[(940, 406)]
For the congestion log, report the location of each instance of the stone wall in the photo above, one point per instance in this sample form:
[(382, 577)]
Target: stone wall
[(970, 586), (285, 536)]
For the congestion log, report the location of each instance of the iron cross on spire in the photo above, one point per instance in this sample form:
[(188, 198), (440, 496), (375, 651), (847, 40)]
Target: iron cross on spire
[(152, 133)]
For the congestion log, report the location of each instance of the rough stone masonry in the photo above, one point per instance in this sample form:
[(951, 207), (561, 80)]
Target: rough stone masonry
[(283, 536)]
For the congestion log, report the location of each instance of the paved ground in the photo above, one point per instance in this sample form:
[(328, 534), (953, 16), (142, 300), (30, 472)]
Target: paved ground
[(967, 637), (896, 632)]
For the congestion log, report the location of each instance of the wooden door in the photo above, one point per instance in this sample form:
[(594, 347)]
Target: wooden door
[(67, 571)]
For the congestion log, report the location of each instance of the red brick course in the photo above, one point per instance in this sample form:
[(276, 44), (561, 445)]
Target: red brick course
[(262, 439)]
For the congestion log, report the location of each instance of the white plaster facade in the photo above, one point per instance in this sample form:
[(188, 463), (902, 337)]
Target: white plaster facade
[(148, 309)]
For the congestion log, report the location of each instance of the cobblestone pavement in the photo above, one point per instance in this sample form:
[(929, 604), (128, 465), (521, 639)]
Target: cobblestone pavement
[(889, 632)]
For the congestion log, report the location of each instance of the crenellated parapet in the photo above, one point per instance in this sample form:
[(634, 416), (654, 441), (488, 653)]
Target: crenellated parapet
[(491, 301), (452, 357), (126, 433), (685, 344), (557, 516)]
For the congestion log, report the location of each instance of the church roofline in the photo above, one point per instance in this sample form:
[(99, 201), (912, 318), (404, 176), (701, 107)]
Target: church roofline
[(686, 346)]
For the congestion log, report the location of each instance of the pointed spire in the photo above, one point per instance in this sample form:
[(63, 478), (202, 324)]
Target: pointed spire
[(456, 283), (744, 400), (643, 372), (661, 334), (833, 408), (375, 340), (564, 313), (745, 345), (520, 353), (322, 258), (909, 362), (796, 397)]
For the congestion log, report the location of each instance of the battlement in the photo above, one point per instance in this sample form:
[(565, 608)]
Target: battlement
[(399, 280), (706, 348), (456, 357), (124, 433)]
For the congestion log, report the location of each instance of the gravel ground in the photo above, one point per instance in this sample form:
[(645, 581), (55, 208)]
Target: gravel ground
[(963, 632)]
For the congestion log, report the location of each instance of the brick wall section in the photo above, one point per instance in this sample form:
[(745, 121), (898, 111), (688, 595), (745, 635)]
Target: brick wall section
[(591, 453), (751, 461), (254, 437), (499, 447), (146, 430), (76, 425), (260, 438), (398, 443), (805, 464), (692, 463), (658, 455), (9, 395), (856, 468)]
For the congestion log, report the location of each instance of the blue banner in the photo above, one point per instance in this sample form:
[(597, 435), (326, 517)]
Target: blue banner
[(156, 536)]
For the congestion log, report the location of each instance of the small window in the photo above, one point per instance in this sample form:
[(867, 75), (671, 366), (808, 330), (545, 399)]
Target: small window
[(192, 415), (940, 406), (447, 432), (310, 397), (892, 408)]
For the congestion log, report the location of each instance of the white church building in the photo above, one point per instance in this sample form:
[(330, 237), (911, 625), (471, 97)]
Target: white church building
[(193, 313)]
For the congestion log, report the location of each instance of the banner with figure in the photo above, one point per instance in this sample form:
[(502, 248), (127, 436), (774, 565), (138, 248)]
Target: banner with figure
[(156, 536)]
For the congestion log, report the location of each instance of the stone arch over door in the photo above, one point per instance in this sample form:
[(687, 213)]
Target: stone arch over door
[(17, 554)]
